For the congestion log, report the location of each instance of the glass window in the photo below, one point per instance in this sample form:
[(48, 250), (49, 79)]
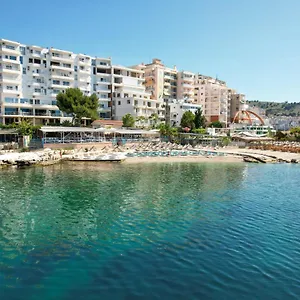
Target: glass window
[(56, 82)]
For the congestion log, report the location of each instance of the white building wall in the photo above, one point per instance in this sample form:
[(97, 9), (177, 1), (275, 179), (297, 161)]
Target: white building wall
[(31, 80)]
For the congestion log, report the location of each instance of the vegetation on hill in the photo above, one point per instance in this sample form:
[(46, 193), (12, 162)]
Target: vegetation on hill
[(278, 108)]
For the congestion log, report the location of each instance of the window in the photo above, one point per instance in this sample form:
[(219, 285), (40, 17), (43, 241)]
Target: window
[(67, 65), (11, 57), (24, 70), (36, 90), (9, 87), (128, 101), (103, 96), (55, 54), (10, 47), (119, 102), (21, 60), (75, 68), (93, 62), (22, 50), (66, 83), (103, 63), (56, 82), (37, 61), (37, 101), (40, 80), (30, 60)]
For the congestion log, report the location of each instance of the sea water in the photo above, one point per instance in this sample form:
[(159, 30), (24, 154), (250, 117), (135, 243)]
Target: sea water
[(148, 231)]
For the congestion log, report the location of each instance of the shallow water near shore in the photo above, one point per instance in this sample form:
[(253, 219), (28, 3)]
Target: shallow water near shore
[(166, 230)]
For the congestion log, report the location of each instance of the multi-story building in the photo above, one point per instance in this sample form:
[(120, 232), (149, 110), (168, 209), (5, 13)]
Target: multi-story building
[(130, 95), (215, 98), (102, 85), (32, 76), (237, 104), (186, 86), (160, 80), (176, 109)]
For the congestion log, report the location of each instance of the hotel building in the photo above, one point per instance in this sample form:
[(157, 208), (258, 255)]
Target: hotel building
[(32, 76), (130, 95)]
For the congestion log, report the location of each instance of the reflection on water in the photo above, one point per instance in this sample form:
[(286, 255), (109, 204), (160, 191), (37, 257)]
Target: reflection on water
[(129, 230)]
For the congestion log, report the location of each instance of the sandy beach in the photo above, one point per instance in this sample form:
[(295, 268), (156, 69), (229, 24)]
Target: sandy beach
[(189, 159)]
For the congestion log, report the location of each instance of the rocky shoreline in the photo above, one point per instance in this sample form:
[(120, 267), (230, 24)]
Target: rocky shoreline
[(49, 157)]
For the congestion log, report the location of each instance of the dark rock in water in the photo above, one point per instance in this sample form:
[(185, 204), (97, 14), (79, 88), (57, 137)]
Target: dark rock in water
[(294, 161)]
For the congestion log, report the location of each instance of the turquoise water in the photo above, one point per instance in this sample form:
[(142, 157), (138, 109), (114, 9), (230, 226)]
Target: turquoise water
[(148, 231)]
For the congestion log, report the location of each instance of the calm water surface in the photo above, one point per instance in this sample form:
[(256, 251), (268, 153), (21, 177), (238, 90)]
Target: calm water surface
[(169, 231)]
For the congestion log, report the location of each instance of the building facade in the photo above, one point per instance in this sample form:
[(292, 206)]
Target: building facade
[(176, 109), (32, 76), (130, 95)]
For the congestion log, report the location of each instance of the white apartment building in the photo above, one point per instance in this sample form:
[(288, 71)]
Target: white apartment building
[(102, 85), (176, 109), (130, 96), (32, 76)]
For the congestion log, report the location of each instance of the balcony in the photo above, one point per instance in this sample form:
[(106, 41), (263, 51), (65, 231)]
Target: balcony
[(186, 85), (87, 72), (11, 61), (66, 59), (63, 77), (188, 79), (15, 81), (102, 90), (9, 70), (10, 92), (11, 113), (59, 86), (62, 68), (3, 49), (84, 62), (103, 82)]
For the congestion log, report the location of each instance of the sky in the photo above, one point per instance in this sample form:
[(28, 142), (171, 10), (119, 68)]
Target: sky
[(254, 45)]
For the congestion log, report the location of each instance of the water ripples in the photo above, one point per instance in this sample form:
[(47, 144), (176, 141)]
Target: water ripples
[(150, 231)]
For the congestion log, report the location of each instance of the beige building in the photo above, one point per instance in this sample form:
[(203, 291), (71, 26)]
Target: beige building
[(130, 95), (186, 86), (218, 101), (160, 80)]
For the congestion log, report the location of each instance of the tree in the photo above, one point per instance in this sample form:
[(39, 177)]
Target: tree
[(199, 119), (67, 123), (188, 120), (154, 119), (199, 130), (80, 106), (25, 128), (216, 124), (128, 120)]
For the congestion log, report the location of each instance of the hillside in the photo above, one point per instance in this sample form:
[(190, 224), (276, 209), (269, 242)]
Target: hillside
[(278, 108)]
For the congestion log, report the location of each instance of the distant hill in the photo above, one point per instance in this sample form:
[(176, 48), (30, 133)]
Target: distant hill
[(278, 108)]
